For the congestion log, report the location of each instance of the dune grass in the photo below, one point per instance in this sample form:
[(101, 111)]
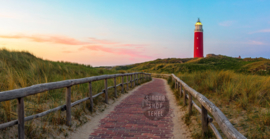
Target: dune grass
[(251, 66), (244, 99), (239, 87), (22, 69)]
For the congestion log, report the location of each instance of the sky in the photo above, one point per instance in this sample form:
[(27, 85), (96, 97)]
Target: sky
[(120, 32)]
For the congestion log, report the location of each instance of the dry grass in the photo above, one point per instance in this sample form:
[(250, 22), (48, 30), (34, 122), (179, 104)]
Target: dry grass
[(53, 125), (244, 99), (22, 69), (194, 60), (194, 121)]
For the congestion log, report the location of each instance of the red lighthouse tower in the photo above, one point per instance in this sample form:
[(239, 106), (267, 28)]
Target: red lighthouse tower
[(198, 39)]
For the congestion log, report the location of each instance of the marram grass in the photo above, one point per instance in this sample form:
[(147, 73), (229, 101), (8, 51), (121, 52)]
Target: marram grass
[(22, 69), (244, 99)]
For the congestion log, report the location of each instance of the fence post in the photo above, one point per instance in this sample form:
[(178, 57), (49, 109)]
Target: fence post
[(140, 78), (133, 80), (90, 96), (122, 78), (185, 98), (177, 87), (68, 106), (20, 118), (189, 103), (106, 91), (145, 77), (136, 83), (180, 90), (204, 122), (130, 81), (175, 82), (115, 89), (127, 82)]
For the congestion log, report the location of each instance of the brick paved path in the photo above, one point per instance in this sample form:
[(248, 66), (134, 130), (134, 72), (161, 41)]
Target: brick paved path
[(128, 121)]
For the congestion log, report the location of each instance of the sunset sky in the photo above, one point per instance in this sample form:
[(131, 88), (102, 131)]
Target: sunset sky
[(119, 32)]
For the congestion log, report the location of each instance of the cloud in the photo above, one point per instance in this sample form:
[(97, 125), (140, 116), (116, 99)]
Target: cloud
[(226, 23), (68, 52), (3, 44), (132, 45), (47, 38), (99, 41), (256, 43), (57, 39), (261, 31), (117, 51), (4, 15)]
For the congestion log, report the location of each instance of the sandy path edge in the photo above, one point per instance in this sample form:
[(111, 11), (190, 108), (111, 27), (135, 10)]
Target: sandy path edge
[(180, 129), (85, 130)]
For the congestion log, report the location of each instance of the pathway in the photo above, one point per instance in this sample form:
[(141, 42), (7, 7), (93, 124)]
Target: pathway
[(127, 120)]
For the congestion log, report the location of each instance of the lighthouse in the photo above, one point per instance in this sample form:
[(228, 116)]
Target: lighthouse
[(198, 39)]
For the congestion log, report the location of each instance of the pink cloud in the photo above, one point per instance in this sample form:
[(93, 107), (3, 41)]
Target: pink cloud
[(67, 51), (5, 16), (57, 39), (8, 15), (99, 41), (47, 38), (256, 43), (132, 45), (264, 30), (117, 51), (139, 47), (261, 31)]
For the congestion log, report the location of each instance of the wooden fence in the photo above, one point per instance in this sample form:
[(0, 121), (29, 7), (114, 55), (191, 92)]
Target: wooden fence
[(206, 106), (19, 94)]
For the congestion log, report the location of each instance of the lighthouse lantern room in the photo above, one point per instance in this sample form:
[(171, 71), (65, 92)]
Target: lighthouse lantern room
[(198, 39)]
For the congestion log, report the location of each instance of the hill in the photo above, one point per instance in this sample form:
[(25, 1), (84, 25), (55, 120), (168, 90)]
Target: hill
[(260, 66), (22, 69), (239, 87)]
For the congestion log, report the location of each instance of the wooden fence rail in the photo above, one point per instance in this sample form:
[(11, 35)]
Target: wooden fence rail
[(19, 94), (206, 106)]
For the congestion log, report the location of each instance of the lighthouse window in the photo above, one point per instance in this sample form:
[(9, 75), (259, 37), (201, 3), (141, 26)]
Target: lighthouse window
[(197, 37)]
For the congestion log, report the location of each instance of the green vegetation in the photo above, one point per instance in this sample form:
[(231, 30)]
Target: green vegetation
[(259, 66), (244, 99), (239, 87), (193, 121), (22, 69)]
